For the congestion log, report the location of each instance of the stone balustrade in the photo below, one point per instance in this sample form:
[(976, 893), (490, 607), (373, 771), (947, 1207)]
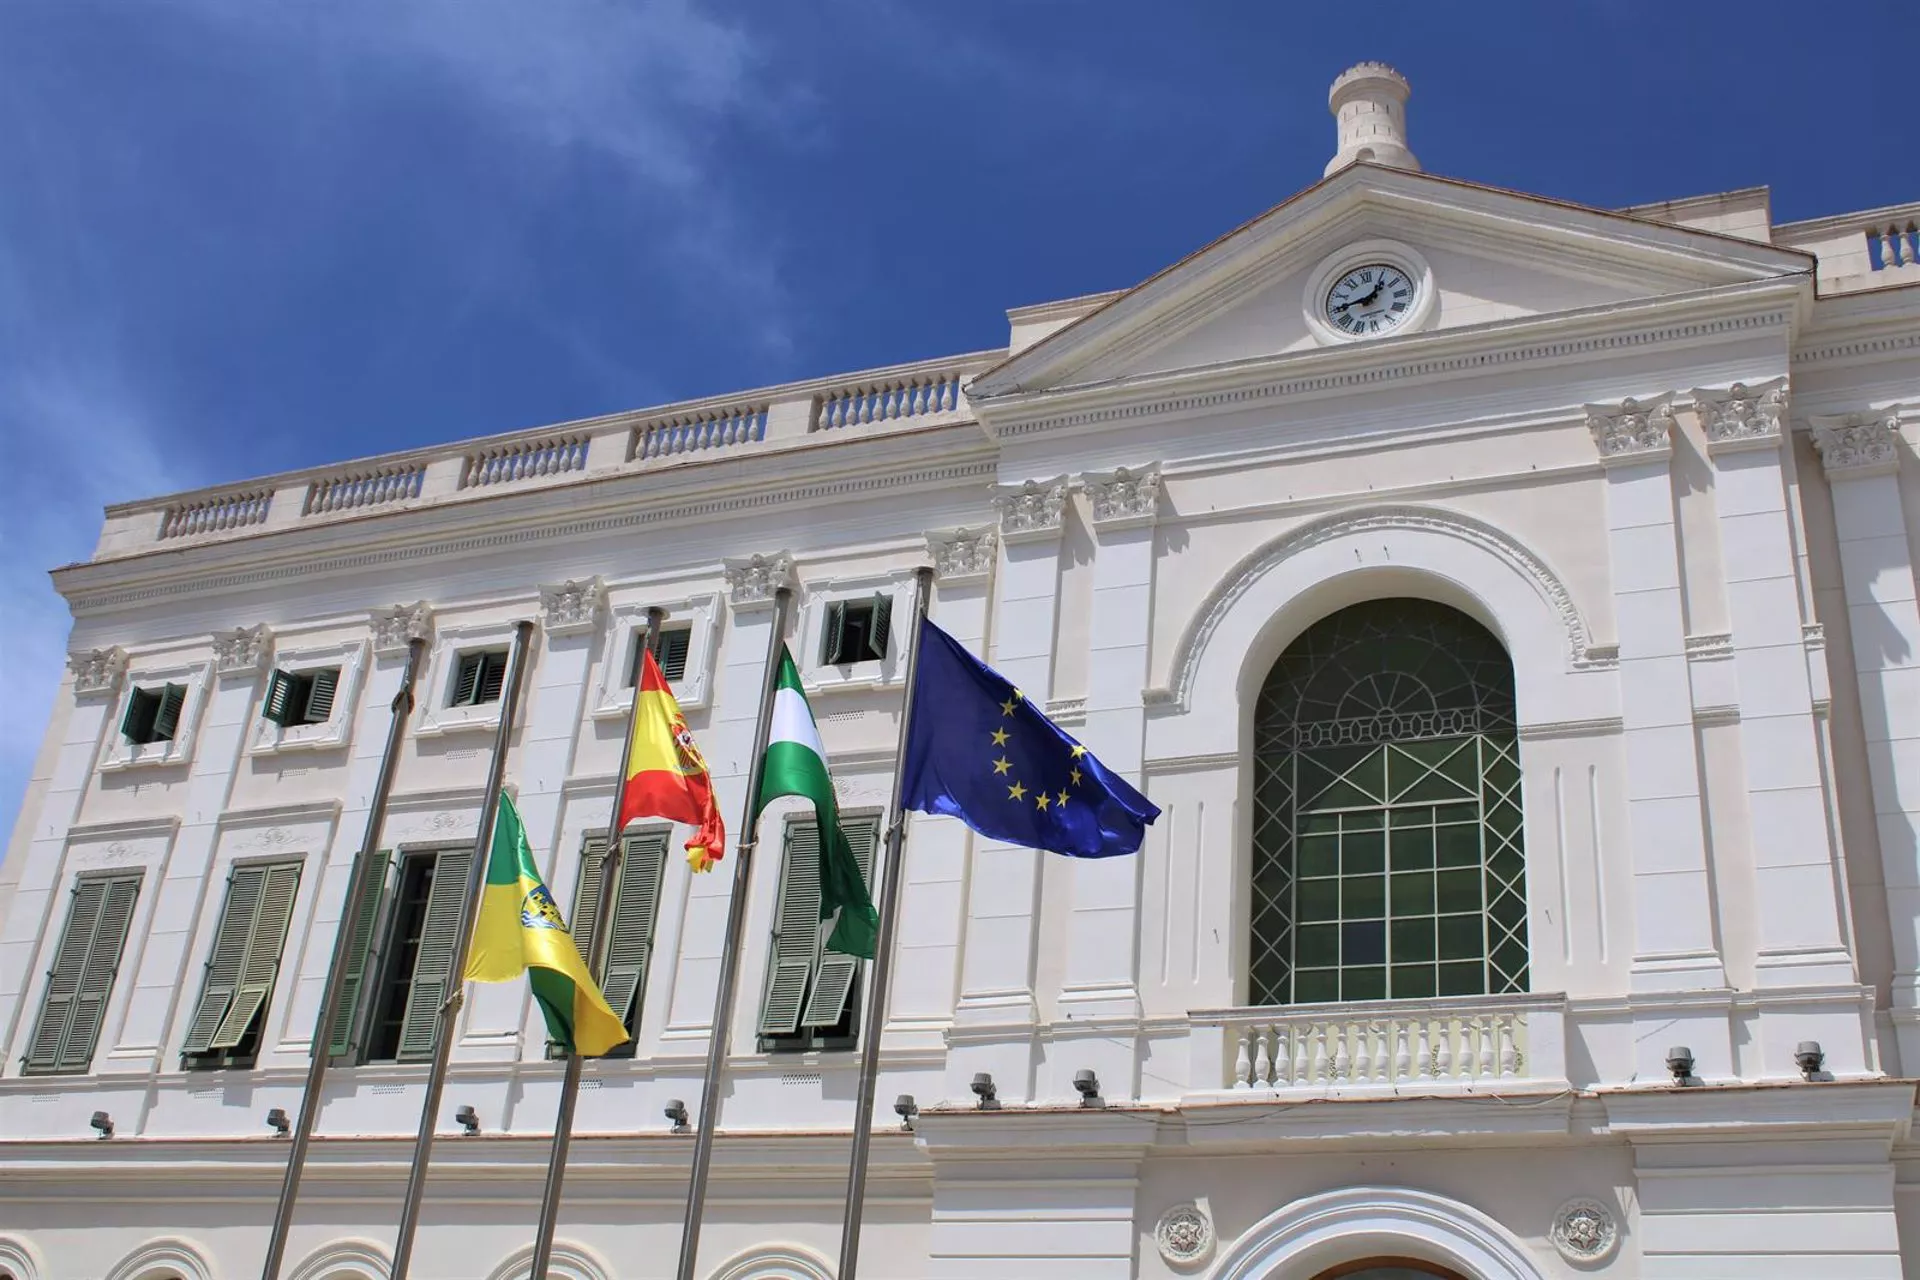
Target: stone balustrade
[(365, 487), (885, 399), (217, 513), (697, 432)]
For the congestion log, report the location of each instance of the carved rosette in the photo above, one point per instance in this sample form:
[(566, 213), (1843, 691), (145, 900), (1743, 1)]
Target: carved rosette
[(395, 628), (1854, 446), (572, 608), (1584, 1231), (752, 582), (1742, 416), (962, 556), (242, 651), (97, 672), (1125, 497), (1184, 1235), (1632, 431), (1032, 510)]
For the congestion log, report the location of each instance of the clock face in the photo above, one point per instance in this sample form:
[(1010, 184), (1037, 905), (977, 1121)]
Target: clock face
[(1369, 300)]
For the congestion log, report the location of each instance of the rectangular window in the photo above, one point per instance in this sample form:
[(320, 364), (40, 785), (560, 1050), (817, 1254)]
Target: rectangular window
[(81, 978), (400, 964), (240, 972), (636, 903), (300, 697), (857, 630), (479, 678), (671, 655), (153, 714), (810, 1000)]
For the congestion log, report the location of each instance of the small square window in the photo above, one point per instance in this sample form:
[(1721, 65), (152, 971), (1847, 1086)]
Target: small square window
[(479, 678), (300, 697), (671, 655), (857, 630), (153, 715)]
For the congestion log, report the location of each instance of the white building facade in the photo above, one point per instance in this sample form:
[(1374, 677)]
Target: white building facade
[(1510, 604)]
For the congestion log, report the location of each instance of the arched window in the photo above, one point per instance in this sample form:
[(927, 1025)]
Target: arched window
[(1387, 860), (1391, 1269)]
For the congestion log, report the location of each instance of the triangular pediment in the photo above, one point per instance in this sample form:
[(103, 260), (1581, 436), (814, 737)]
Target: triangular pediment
[(1490, 256)]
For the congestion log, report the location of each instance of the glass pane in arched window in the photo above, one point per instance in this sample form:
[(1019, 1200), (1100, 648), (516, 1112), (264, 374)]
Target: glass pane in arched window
[(1387, 849)]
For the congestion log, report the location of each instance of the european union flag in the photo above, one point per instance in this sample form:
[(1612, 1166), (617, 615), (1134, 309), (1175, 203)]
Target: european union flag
[(979, 751)]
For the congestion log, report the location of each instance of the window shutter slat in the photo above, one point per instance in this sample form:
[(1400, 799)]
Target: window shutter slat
[(796, 943), (277, 705), (837, 972), (227, 958), (166, 719), (467, 682), (433, 962), (586, 896), (674, 644), (97, 974), (320, 690), (493, 676), (642, 866), (63, 981), (836, 633), (878, 632), (262, 962), (137, 725), (371, 869)]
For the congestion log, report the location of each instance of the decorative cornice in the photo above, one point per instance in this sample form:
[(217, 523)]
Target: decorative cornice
[(242, 651), (1033, 510), (1854, 446), (963, 556), (1067, 710), (751, 583), (1884, 345), (395, 628), (1743, 416), (572, 608), (1124, 498), (97, 672), (1708, 648), (1633, 431)]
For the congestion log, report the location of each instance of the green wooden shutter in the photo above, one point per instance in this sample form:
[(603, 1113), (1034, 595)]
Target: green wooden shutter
[(361, 957), (672, 655), (836, 636), (467, 682), (63, 978), (228, 957), (837, 972), (878, 631), (82, 976), (278, 705), (493, 676), (433, 963), (262, 962), (320, 690), (166, 719), (137, 724), (643, 863), (796, 931), (586, 895)]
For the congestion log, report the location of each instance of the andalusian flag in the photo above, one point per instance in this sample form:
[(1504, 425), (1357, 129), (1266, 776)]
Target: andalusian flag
[(796, 765), (666, 774), (520, 931)]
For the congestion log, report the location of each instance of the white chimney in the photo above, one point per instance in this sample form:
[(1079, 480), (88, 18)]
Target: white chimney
[(1369, 103)]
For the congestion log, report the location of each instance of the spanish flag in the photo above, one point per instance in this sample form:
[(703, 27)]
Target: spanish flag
[(667, 776), (520, 931)]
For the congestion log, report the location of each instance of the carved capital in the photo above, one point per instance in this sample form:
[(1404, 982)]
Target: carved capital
[(1125, 497), (753, 581), (1633, 431), (1035, 509), (1854, 446), (1743, 416), (963, 555), (242, 651), (97, 672), (395, 628), (572, 608)]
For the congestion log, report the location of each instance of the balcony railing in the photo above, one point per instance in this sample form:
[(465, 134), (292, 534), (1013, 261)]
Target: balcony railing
[(1456, 1044)]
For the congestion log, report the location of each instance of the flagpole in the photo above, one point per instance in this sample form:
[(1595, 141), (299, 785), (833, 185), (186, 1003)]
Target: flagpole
[(591, 949), (730, 951), (337, 972), (449, 1012), (882, 974)]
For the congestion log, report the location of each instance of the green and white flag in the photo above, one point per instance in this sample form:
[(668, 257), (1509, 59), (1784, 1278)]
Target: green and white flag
[(796, 765)]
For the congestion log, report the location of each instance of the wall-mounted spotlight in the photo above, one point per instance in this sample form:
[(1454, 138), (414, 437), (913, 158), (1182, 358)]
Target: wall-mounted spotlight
[(906, 1108), (1680, 1063), (278, 1122), (1810, 1058), (676, 1111), (469, 1119), (1087, 1085), (983, 1089), (102, 1123)]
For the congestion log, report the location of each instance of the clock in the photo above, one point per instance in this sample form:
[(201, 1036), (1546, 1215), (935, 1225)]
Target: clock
[(1370, 299)]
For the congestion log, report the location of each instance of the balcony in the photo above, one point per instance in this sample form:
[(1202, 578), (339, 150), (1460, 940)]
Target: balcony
[(1450, 1045)]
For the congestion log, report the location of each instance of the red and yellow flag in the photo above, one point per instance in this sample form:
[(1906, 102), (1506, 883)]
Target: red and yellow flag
[(667, 777)]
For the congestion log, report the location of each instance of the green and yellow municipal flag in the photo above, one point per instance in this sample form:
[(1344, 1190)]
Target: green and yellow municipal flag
[(520, 931), (796, 765)]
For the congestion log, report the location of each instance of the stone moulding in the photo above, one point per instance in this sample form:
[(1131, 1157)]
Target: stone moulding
[(242, 651), (1633, 431), (1743, 416), (394, 628), (572, 608), (962, 556), (1855, 446), (753, 581), (1031, 510), (97, 672), (1123, 498)]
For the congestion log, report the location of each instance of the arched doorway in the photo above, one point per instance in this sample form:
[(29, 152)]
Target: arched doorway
[(1387, 844)]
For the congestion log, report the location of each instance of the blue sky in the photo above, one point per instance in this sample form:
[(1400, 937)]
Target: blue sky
[(238, 236)]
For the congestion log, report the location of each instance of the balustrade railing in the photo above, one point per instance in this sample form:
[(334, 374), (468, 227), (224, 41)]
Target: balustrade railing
[(216, 514), (1412, 1046), (350, 490), (525, 460), (696, 432), (885, 399), (1893, 246)]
